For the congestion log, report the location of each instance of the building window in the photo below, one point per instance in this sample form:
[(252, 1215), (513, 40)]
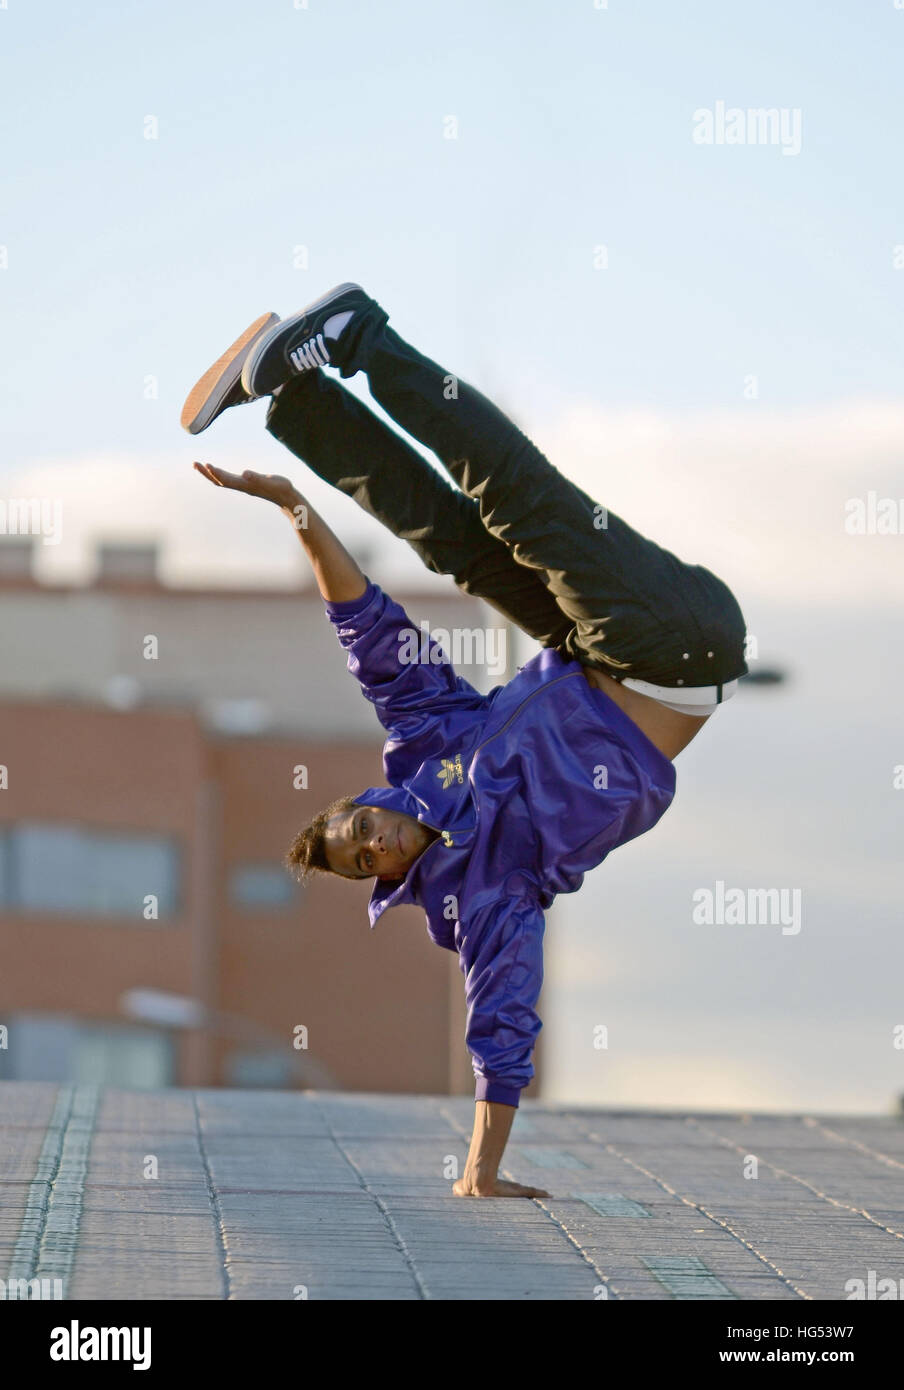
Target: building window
[(263, 1067), (85, 872), (54, 1047), (261, 885)]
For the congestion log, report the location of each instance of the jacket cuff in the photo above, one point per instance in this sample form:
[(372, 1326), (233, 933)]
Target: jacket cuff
[(347, 607), (497, 1092)]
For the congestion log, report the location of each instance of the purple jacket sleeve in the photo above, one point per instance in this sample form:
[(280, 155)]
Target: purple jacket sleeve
[(405, 676), (501, 951)]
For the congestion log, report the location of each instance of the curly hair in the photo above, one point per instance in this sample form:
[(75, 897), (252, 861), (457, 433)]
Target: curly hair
[(307, 852)]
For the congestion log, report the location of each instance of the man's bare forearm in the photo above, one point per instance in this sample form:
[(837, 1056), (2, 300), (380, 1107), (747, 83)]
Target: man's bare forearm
[(492, 1127), (338, 576)]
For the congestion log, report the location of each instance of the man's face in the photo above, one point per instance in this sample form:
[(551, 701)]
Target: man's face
[(368, 842)]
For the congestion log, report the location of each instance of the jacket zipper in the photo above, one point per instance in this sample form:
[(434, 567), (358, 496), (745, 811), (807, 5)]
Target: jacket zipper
[(446, 834), (569, 675)]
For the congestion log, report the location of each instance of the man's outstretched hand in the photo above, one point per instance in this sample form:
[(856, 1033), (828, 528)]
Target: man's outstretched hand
[(272, 487), (499, 1187), (338, 575)]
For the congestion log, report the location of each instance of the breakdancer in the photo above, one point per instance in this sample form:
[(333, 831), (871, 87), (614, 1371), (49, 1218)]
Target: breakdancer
[(495, 803)]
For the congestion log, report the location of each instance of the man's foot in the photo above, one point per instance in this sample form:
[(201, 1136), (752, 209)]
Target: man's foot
[(221, 384), (302, 342)]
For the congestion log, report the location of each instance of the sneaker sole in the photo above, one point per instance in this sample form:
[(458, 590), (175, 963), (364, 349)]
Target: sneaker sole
[(289, 325), (206, 397)]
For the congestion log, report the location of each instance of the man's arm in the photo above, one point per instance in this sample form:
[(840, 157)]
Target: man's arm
[(340, 580), (410, 690), (502, 985), (492, 1125), (338, 576)]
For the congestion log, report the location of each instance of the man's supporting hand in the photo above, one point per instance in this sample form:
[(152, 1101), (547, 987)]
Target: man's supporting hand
[(492, 1126), (500, 1187)]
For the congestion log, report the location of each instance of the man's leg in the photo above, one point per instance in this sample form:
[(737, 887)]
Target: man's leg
[(632, 607), (347, 445)]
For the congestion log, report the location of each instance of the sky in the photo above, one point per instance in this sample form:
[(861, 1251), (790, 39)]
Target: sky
[(706, 337)]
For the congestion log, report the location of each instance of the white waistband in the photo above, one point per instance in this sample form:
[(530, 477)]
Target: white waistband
[(683, 695)]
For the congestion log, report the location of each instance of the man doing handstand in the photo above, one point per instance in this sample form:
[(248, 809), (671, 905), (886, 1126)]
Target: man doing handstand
[(495, 803)]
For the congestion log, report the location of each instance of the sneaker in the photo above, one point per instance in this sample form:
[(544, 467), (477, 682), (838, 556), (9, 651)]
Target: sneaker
[(221, 384), (302, 342)]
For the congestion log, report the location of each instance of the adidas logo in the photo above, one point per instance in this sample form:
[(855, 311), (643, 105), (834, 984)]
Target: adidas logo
[(451, 771), (311, 353)]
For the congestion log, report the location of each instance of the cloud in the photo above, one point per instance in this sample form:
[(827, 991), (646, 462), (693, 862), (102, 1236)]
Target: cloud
[(756, 495), (206, 534)]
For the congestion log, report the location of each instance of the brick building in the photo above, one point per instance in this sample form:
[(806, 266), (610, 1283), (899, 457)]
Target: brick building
[(153, 739)]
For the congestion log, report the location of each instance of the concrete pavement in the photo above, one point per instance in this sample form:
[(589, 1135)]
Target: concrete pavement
[(217, 1194)]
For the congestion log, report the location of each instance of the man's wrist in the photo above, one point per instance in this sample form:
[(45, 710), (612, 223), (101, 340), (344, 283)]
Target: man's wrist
[(481, 1167), (480, 1177), (296, 509)]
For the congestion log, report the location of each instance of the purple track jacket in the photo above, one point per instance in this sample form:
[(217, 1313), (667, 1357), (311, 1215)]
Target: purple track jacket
[(530, 786)]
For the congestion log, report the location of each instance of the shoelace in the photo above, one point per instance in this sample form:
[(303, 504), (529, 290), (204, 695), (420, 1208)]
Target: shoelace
[(311, 353)]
